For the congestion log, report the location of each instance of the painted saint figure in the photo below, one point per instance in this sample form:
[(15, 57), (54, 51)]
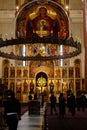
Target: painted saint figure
[(31, 87), (51, 87), (42, 25), (25, 86)]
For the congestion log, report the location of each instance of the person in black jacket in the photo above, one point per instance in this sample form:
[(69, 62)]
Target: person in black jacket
[(53, 104), (83, 101), (62, 105), (72, 104), (12, 111)]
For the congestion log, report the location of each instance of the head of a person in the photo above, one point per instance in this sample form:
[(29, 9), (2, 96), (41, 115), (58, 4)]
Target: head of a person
[(52, 93), (10, 94), (61, 94), (72, 94), (42, 11), (82, 94)]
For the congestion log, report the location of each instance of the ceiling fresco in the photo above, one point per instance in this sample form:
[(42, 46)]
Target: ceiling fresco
[(30, 19)]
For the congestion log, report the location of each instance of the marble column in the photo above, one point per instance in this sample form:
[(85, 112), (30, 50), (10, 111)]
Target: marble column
[(85, 38)]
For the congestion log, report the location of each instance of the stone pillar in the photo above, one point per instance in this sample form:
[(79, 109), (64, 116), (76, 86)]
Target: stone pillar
[(85, 38)]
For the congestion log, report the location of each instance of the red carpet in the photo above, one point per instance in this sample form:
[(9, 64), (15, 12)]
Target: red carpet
[(78, 122), (24, 109)]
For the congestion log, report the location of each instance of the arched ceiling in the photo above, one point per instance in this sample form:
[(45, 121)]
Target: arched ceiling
[(54, 11)]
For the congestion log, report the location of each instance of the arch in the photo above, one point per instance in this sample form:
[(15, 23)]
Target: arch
[(42, 83), (44, 75), (77, 61), (54, 11)]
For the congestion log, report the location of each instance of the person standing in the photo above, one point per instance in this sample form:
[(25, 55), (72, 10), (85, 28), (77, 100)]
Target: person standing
[(53, 104), (35, 96), (42, 100), (12, 110), (30, 97), (83, 101), (62, 105), (72, 104)]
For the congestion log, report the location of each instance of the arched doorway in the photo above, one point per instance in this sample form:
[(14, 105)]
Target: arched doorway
[(42, 83)]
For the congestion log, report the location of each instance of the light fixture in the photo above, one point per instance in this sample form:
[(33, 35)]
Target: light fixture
[(36, 40)]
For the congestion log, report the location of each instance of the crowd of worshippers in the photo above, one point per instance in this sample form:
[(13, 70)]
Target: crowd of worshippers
[(71, 102), (79, 102)]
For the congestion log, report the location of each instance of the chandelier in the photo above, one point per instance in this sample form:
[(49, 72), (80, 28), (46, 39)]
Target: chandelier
[(42, 34), (75, 48), (41, 82)]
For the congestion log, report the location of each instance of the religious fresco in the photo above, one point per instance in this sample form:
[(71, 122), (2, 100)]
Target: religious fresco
[(12, 72), (25, 72), (71, 72), (42, 20), (42, 49), (46, 66), (31, 87), (48, 21), (25, 86), (42, 25), (12, 85), (77, 68), (51, 86)]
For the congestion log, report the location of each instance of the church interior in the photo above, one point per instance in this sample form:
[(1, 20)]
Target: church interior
[(42, 47)]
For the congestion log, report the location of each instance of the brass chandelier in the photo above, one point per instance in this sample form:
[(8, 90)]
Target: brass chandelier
[(41, 32), (38, 40)]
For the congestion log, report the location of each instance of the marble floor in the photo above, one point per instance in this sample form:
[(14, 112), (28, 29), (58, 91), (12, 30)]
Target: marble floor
[(31, 122)]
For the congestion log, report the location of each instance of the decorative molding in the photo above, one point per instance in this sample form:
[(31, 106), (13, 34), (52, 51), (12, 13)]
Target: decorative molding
[(7, 16), (76, 15)]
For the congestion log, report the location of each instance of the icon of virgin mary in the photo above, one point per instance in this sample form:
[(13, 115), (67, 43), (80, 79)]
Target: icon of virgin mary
[(43, 25)]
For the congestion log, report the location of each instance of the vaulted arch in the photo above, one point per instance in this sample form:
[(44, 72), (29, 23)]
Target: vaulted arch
[(56, 13)]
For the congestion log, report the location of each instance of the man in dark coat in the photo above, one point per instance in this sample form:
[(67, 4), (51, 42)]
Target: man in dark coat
[(12, 111), (53, 104), (62, 105), (83, 101), (72, 104)]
